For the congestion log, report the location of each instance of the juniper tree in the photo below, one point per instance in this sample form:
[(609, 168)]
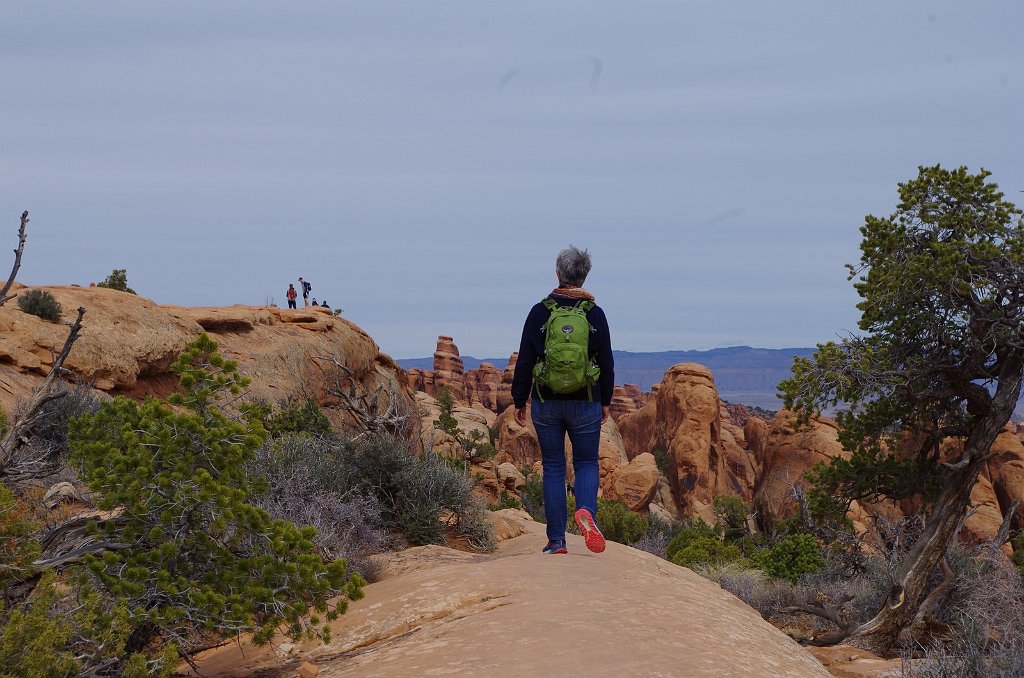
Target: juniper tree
[(939, 360), (117, 280), (185, 549)]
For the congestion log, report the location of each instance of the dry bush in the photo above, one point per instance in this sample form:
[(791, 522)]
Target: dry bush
[(306, 487), (985, 613), (753, 587)]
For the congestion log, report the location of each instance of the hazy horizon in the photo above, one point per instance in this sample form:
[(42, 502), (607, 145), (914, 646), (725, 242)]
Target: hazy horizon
[(422, 164)]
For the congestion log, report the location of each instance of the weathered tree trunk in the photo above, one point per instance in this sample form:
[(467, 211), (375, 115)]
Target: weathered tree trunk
[(4, 296), (880, 634), (19, 433)]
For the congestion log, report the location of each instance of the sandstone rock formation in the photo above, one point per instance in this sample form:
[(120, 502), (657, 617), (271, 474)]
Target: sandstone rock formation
[(636, 483), (626, 399), (505, 388), (787, 455), (482, 386), (444, 612), (683, 418), (448, 372), (128, 342)]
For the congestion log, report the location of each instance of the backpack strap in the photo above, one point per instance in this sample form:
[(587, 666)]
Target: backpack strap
[(549, 303)]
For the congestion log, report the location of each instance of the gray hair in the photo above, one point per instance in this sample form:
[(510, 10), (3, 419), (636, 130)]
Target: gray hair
[(573, 265)]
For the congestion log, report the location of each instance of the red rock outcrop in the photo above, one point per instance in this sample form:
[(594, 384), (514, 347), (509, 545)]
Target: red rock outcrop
[(128, 342), (448, 373), (787, 455), (626, 399), (683, 417), (505, 387), (482, 386), (636, 483)]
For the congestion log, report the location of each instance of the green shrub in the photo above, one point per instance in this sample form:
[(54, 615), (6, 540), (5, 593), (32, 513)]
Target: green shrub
[(533, 497), (117, 280), (697, 529), (423, 496), (73, 630), (198, 556), (293, 416), (18, 548), (792, 556), (705, 551), (618, 523), (732, 516), (664, 461), (40, 303)]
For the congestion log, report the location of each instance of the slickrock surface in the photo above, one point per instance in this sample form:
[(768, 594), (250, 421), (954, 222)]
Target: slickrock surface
[(520, 613), (129, 342)]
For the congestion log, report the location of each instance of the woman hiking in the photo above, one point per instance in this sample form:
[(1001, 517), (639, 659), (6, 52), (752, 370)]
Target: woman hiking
[(565, 369)]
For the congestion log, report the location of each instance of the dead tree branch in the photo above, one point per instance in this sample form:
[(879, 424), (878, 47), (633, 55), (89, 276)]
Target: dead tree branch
[(73, 539), (840, 617), (21, 430), (4, 297), (1003, 535), (378, 411)]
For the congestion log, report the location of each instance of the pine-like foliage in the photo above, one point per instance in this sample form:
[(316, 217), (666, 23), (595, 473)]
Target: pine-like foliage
[(117, 280), (189, 553)]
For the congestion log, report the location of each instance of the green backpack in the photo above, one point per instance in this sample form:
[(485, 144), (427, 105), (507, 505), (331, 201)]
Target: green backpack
[(566, 366)]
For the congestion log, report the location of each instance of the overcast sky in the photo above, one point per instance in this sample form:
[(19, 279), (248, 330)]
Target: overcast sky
[(421, 163)]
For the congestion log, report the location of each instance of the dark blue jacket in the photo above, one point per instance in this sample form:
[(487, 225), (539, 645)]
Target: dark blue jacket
[(531, 349)]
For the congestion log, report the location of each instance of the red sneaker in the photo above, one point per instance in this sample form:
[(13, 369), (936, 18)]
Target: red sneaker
[(592, 536)]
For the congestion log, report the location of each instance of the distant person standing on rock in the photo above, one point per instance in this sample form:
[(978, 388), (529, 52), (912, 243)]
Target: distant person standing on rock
[(565, 368), (306, 289), (291, 294)]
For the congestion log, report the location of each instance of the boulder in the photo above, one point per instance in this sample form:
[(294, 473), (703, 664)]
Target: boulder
[(636, 483), (61, 493), (518, 442), (510, 477)]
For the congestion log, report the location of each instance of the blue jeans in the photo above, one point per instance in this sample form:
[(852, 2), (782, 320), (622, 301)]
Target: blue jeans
[(582, 421)]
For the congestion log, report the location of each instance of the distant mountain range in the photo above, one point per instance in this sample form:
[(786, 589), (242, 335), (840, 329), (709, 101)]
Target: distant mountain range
[(743, 374)]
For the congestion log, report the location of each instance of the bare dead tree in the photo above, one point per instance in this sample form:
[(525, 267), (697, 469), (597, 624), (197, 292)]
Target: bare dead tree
[(377, 411), (21, 430), (841, 617), (4, 296)]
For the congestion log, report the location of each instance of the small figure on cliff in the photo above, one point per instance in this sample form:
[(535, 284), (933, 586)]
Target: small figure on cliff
[(314, 302), (565, 368), (323, 304), (291, 294), (306, 289)]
